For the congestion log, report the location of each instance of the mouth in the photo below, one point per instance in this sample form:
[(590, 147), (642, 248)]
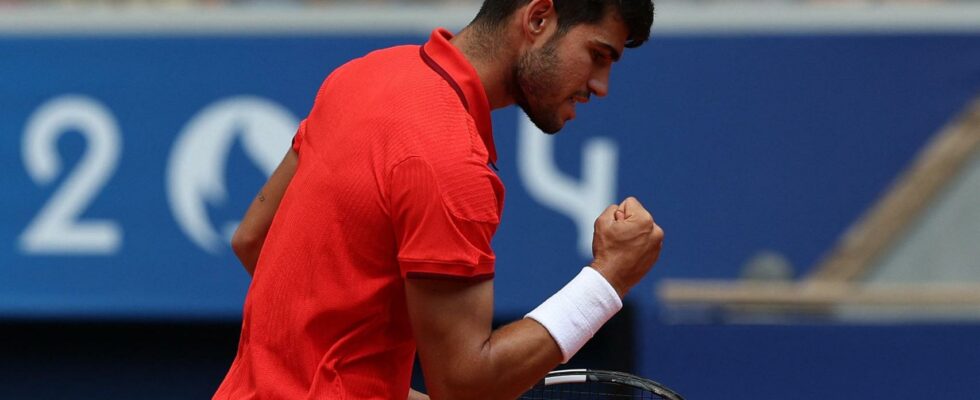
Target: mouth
[(578, 97), (581, 98), (571, 106)]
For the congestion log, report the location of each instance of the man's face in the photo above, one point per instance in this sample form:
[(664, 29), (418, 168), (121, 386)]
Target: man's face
[(567, 69)]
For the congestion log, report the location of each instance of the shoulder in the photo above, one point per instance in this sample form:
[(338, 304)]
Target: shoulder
[(399, 87)]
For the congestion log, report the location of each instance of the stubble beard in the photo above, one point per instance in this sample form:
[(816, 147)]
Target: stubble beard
[(536, 76)]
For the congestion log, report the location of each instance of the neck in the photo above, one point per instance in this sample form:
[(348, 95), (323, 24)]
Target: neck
[(493, 62)]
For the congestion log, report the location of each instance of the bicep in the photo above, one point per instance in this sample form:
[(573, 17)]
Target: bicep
[(452, 321)]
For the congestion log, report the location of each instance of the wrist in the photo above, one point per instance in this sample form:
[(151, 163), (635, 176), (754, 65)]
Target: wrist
[(576, 312), (621, 287)]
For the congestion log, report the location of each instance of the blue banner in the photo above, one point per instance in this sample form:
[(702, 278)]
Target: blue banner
[(128, 160)]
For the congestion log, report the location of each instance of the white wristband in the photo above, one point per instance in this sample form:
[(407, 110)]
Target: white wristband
[(574, 314)]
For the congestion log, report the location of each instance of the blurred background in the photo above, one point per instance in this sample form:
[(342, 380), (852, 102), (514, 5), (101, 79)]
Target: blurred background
[(815, 165)]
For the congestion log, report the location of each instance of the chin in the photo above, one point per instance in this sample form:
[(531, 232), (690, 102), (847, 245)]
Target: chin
[(551, 128), (549, 124)]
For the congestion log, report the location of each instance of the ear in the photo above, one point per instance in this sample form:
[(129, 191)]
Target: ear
[(539, 20)]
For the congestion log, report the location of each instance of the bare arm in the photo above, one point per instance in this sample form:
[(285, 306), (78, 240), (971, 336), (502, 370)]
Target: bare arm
[(461, 355), (248, 238)]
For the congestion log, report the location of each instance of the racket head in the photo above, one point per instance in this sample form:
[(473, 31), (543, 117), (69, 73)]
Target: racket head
[(587, 384)]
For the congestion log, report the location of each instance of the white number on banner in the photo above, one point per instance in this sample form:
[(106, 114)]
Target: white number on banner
[(581, 201), (57, 228)]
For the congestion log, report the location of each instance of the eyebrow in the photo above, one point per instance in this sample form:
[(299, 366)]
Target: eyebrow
[(612, 50)]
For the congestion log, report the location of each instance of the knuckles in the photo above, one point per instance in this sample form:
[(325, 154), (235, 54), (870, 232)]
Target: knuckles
[(658, 233), (647, 224)]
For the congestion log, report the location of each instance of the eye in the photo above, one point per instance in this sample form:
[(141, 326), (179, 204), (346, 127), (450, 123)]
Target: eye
[(601, 56), (597, 56)]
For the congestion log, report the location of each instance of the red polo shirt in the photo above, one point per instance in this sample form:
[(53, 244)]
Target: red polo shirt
[(392, 183)]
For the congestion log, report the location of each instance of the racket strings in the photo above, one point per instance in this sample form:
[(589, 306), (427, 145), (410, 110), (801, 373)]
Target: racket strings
[(588, 391)]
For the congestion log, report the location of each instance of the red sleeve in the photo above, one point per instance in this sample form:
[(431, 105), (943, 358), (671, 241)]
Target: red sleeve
[(444, 221), (298, 138)]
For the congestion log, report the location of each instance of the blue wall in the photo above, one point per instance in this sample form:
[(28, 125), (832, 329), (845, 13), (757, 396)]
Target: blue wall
[(737, 143)]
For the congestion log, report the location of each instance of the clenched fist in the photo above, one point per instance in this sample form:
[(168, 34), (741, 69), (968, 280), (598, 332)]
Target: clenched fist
[(626, 243)]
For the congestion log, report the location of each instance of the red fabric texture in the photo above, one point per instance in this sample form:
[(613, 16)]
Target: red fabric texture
[(392, 182)]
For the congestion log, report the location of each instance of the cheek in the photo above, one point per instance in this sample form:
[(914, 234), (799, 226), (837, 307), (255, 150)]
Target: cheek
[(577, 67), (575, 72)]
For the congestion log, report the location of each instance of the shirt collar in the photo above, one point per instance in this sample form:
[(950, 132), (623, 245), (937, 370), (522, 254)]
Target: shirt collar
[(452, 65)]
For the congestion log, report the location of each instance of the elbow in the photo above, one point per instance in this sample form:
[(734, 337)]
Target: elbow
[(464, 386), (452, 386), (447, 391), (467, 393), (245, 243)]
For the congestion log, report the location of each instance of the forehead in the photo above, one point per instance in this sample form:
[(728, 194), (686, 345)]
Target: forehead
[(609, 30)]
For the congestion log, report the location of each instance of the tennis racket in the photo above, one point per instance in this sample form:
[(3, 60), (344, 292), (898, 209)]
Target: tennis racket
[(586, 384)]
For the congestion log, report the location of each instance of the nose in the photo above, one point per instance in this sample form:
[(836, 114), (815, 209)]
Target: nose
[(599, 84)]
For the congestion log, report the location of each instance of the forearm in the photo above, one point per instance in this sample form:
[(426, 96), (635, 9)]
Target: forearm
[(520, 354), (250, 235)]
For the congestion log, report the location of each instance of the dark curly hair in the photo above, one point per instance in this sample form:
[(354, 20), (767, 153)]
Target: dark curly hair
[(637, 14)]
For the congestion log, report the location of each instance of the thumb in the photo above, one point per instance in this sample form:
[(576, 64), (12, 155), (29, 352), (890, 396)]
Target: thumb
[(629, 207), (608, 215)]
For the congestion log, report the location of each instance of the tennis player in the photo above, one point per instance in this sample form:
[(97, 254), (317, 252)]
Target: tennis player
[(375, 230)]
